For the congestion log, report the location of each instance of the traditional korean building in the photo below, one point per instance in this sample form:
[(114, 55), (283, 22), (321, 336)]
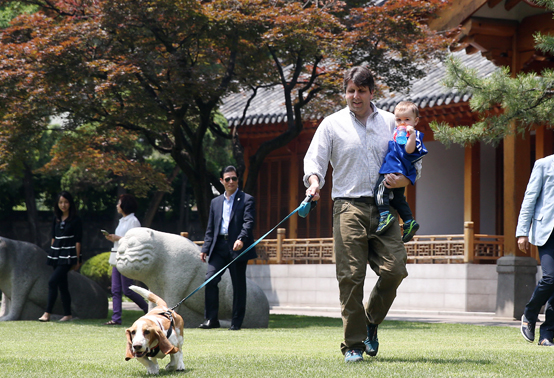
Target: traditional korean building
[(464, 190), (502, 31), (438, 197), (480, 183)]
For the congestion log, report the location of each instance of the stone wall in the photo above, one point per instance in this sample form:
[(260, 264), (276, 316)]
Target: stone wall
[(429, 287)]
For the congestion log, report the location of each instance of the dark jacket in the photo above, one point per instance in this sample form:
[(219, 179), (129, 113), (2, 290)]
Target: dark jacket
[(241, 225)]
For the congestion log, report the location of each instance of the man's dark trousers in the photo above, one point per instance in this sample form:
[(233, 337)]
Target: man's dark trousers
[(221, 256), (544, 292)]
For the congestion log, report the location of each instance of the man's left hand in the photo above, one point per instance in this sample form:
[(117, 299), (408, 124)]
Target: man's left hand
[(238, 245), (396, 180)]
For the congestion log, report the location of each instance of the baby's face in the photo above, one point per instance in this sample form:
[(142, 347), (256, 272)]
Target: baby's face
[(406, 118)]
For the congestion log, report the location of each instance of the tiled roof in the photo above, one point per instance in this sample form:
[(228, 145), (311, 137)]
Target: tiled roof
[(428, 92), (268, 106)]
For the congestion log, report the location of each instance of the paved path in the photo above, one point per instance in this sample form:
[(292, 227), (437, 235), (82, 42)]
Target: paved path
[(475, 318)]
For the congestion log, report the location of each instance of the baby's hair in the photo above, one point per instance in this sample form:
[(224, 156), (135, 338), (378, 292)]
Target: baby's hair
[(405, 106)]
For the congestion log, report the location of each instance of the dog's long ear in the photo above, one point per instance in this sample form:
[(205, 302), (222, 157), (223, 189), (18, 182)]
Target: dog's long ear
[(165, 346), (129, 350)]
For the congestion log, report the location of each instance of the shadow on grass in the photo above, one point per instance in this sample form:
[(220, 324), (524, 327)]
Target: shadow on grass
[(275, 321), (442, 361), (301, 321), (128, 318)]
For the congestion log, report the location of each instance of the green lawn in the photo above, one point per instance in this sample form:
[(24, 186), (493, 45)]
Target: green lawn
[(292, 346)]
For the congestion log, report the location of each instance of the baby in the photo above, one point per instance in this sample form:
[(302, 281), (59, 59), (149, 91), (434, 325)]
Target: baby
[(404, 150)]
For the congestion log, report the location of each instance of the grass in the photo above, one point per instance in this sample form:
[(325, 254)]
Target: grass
[(292, 346)]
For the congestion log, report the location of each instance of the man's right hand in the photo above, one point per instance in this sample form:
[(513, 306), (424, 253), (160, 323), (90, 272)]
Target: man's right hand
[(203, 256), (313, 189), (523, 243)]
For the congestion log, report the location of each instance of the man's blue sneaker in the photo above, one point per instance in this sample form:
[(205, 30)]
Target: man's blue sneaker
[(385, 221), (372, 342), (353, 355), (409, 229), (527, 329)]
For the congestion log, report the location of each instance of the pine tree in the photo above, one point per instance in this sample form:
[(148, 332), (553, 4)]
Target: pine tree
[(526, 99)]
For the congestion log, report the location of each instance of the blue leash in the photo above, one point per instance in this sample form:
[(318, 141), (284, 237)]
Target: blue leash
[(305, 207)]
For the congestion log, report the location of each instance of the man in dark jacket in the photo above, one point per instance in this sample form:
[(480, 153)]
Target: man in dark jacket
[(228, 234)]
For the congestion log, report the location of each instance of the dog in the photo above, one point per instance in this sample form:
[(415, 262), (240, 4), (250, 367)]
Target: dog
[(155, 335)]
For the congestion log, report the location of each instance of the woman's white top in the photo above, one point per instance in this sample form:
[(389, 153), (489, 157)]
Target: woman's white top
[(125, 224)]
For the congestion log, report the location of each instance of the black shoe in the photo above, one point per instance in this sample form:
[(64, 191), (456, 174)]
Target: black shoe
[(546, 342), (385, 221), (527, 329), (209, 324), (409, 230), (371, 343), (234, 328)]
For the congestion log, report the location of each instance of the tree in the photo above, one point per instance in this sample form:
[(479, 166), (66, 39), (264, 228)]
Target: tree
[(160, 68), (20, 162), (312, 43), (155, 68), (527, 99)]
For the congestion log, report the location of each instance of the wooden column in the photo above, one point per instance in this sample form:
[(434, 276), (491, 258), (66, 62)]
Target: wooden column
[(544, 142), (472, 186), (294, 197), (469, 242), (280, 238), (517, 169)]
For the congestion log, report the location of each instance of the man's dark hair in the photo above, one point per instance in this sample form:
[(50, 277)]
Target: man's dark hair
[(128, 204), (229, 168), (72, 209), (361, 76)]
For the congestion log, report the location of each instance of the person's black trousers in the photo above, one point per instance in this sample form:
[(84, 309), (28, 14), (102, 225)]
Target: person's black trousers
[(221, 256), (398, 202), (544, 292), (58, 280)]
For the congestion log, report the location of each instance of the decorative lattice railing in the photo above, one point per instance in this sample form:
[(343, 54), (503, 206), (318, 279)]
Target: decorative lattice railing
[(423, 249)]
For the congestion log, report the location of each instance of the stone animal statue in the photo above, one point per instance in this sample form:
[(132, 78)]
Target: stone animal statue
[(170, 266), (24, 279)]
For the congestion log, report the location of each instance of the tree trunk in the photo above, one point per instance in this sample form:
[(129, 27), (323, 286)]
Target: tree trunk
[(183, 207), (156, 200), (116, 216), (30, 202)]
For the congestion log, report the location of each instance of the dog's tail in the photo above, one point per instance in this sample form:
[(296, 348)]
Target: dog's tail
[(147, 294)]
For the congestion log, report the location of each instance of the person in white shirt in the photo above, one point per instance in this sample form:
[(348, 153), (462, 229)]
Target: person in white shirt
[(355, 141), (126, 206)]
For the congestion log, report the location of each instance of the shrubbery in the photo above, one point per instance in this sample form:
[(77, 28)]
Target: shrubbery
[(99, 270)]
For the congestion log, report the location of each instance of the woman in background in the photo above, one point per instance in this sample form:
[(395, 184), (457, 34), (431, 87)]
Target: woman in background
[(126, 206), (65, 253)]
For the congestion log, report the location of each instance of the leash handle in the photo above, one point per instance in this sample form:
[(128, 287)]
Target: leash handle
[(308, 198), (236, 258)]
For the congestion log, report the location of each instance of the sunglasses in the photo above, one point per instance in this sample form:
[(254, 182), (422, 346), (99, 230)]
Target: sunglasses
[(62, 225), (234, 178)]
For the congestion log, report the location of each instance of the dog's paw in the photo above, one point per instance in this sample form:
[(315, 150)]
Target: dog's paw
[(153, 370), (175, 367)]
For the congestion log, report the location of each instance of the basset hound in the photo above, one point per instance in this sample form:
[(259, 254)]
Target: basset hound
[(155, 335)]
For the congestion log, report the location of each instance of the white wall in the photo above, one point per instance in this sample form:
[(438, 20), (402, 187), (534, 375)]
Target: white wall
[(488, 192), (440, 191), (429, 287)]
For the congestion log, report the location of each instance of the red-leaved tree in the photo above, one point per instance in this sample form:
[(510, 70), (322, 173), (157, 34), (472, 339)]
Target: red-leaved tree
[(161, 68)]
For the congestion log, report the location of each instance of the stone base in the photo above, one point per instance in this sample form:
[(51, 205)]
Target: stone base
[(516, 282)]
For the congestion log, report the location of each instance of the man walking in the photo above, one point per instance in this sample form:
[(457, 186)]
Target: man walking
[(534, 226), (228, 233), (355, 141)]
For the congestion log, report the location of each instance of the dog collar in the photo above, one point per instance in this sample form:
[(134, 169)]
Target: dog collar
[(169, 315), (153, 352)]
